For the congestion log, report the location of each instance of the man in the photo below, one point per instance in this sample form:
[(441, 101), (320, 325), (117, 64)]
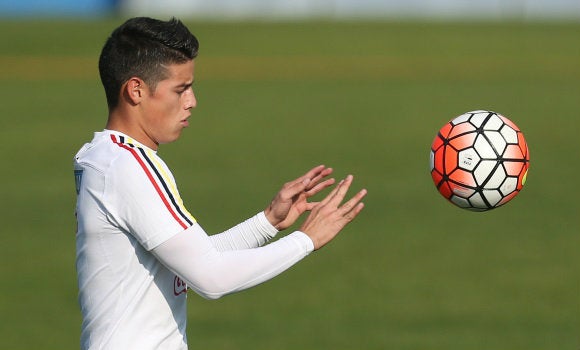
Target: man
[(138, 248)]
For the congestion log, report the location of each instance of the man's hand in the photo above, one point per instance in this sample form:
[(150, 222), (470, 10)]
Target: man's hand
[(328, 217), (292, 200)]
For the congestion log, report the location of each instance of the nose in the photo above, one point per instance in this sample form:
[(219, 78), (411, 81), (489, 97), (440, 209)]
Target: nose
[(191, 100)]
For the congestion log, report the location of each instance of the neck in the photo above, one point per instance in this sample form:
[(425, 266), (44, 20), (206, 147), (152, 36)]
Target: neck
[(122, 121)]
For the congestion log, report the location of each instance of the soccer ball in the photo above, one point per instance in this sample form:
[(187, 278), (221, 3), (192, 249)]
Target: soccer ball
[(479, 160)]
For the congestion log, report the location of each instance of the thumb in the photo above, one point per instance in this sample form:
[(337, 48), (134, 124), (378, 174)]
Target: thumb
[(302, 185), (299, 186), (293, 188)]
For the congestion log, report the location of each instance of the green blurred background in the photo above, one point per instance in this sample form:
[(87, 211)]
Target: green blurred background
[(274, 99)]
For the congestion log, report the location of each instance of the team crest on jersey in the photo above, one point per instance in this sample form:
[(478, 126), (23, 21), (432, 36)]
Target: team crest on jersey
[(179, 286), (78, 180)]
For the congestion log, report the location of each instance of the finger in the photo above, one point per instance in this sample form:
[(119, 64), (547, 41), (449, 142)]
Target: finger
[(348, 208), (330, 195), (292, 189), (341, 191), (319, 187), (314, 172), (324, 172), (338, 192), (351, 215), (311, 205), (308, 178)]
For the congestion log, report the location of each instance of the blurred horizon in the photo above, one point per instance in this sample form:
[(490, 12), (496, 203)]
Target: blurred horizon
[(526, 10)]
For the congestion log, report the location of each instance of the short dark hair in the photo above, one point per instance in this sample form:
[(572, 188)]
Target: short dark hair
[(140, 47)]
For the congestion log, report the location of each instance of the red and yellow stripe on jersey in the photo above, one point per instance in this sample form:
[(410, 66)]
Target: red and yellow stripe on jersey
[(162, 182)]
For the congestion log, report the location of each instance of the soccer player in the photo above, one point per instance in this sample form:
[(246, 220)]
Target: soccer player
[(138, 248)]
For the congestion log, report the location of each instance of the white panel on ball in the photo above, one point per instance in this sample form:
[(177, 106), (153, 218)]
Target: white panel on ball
[(497, 140), (483, 171), (493, 123), (483, 148), (509, 134), (496, 179), (492, 196)]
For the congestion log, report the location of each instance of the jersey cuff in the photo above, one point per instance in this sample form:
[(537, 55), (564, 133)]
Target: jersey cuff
[(264, 225), (304, 240)]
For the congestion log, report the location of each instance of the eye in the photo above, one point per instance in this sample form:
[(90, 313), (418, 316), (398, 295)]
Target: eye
[(184, 89)]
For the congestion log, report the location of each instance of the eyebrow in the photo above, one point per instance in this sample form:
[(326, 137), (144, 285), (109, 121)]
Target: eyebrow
[(185, 85)]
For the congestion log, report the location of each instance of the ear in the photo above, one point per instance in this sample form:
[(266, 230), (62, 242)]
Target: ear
[(134, 90)]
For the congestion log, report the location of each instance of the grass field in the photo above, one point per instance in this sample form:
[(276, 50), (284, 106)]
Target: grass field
[(413, 272)]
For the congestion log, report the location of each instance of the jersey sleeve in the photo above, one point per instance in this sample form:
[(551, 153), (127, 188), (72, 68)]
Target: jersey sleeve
[(212, 273), (143, 199), (251, 233)]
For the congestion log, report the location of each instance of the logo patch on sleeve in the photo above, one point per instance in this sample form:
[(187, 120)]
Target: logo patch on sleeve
[(78, 180)]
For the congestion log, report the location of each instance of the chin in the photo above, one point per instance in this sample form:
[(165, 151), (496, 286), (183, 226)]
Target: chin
[(170, 139)]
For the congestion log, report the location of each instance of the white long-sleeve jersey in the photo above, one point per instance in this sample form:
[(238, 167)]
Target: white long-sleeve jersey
[(139, 249)]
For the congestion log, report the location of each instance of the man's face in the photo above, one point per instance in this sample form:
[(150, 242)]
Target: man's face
[(167, 107)]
